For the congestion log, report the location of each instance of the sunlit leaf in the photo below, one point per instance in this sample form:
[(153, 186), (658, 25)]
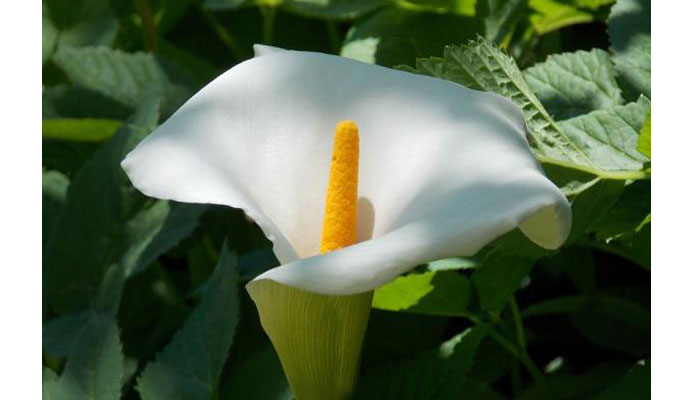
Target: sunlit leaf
[(435, 293), (81, 130), (572, 84)]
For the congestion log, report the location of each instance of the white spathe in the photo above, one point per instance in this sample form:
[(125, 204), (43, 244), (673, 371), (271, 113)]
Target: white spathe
[(444, 170)]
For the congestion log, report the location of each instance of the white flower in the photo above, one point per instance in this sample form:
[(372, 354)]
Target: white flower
[(444, 170)]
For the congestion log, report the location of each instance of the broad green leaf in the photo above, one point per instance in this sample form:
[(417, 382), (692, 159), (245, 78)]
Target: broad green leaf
[(93, 249), (498, 277), (572, 84), (644, 143), (462, 7), (129, 78), (590, 203), (499, 17), (610, 136), (634, 246), (59, 334), (393, 36), (95, 364), (592, 4), (434, 375), (635, 384), (260, 377), (190, 366), (629, 213), (480, 65), (87, 240), (48, 378), (551, 15), (64, 101), (434, 293), (67, 23), (157, 229), (80, 130), (256, 262), (629, 27)]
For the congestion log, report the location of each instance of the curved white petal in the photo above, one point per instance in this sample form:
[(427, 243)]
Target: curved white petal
[(443, 169)]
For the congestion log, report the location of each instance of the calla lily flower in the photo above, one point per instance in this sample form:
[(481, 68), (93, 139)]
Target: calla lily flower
[(443, 170)]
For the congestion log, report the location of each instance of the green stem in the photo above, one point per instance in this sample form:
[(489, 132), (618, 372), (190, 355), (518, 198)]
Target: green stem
[(150, 34), (268, 16), (511, 348), (519, 330)]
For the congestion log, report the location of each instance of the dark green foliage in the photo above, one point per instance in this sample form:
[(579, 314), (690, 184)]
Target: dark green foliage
[(144, 299)]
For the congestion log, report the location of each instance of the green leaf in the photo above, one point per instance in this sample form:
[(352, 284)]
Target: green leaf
[(629, 213), (499, 17), (462, 7), (128, 78), (434, 293), (260, 377), (81, 130), (393, 36), (434, 375), (59, 334), (64, 101), (611, 136), (190, 366), (498, 277), (635, 384), (86, 241), (67, 23), (48, 378), (551, 15), (481, 66), (95, 364), (157, 229), (591, 202), (92, 250), (644, 142), (630, 35), (572, 84)]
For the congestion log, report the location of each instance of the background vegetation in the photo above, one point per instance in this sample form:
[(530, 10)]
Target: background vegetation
[(144, 298)]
